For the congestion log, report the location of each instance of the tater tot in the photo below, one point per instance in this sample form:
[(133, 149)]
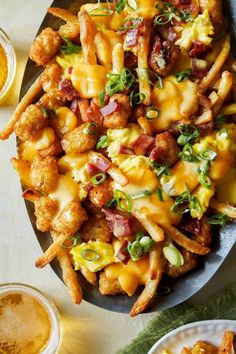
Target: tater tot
[(120, 118), (44, 174), (45, 210), (78, 140), (45, 46), (51, 78), (31, 121)]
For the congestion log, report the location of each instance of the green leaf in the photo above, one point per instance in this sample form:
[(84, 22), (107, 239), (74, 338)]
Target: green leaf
[(69, 47)]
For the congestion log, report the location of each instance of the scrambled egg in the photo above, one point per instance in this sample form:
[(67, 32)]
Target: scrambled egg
[(103, 250), (200, 29), (75, 166)]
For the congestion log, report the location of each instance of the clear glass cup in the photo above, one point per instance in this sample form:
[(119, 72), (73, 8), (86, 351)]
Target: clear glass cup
[(11, 60), (54, 341)]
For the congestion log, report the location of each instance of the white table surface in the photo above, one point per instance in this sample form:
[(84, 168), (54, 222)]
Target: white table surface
[(87, 329)]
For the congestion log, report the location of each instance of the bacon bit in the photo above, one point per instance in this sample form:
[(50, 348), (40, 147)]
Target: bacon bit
[(156, 153), (122, 254), (198, 72), (110, 108), (204, 101), (119, 222), (197, 48), (92, 169), (130, 60), (102, 164), (70, 70), (207, 128), (182, 2), (94, 114), (68, 90), (142, 144), (75, 107), (167, 33), (132, 37), (126, 150)]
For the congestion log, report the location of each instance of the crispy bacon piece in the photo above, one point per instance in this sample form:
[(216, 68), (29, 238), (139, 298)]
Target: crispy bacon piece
[(141, 144), (166, 149), (74, 106), (122, 253), (102, 164), (119, 222), (92, 169), (198, 48), (68, 90), (126, 150), (207, 128), (198, 230), (132, 37), (130, 60), (94, 114), (110, 108)]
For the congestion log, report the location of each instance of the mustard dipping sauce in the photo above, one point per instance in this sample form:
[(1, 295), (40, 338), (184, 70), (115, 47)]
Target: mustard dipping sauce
[(3, 67)]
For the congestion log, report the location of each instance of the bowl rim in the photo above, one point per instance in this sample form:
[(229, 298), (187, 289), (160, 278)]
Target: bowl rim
[(6, 43)]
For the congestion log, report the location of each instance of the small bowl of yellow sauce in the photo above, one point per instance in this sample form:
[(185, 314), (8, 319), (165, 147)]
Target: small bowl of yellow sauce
[(7, 64)]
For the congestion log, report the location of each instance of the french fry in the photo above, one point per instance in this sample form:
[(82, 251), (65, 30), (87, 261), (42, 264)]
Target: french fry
[(68, 274), (205, 117), (184, 241), (144, 85), (230, 109), (63, 14), (89, 276), (223, 207), (51, 252), (113, 171), (220, 60), (154, 259), (145, 125), (154, 230), (87, 34), (150, 288), (24, 103), (225, 86), (227, 343), (117, 58)]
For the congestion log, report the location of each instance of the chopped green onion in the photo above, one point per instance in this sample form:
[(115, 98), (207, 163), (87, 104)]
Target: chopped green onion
[(173, 255), (139, 235), (127, 200), (132, 4), (112, 203), (204, 180), (187, 154), (126, 25), (223, 133), (101, 98), (89, 255), (146, 243), (153, 78), (188, 133), (159, 169), (98, 179), (136, 98), (160, 195), (135, 250), (48, 113), (204, 168), (141, 194), (120, 5), (195, 205), (100, 12), (218, 219), (181, 205), (91, 128), (69, 47), (170, 12), (102, 142), (121, 82), (163, 290), (152, 113), (208, 155), (71, 242), (183, 75), (163, 19), (219, 120)]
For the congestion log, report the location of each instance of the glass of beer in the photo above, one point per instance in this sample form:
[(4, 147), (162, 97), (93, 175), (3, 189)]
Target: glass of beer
[(29, 321)]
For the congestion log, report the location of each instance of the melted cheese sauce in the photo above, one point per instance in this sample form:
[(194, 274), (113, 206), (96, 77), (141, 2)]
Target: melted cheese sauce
[(226, 190), (3, 67), (175, 101), (67, 191), (146, 9), (75, 166), (130, 276), (104, 42)]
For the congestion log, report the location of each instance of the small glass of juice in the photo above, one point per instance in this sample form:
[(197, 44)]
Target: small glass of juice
[(7, 64), (29, 321)]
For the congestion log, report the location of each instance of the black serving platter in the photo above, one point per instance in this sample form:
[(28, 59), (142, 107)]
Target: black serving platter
[(182, 288)]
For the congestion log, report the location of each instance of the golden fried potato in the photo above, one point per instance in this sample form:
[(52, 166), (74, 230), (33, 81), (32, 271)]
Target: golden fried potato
[(70, 30), (45, 46), (52, 100), (78, 140), (30, 122), (70, 219), (214, 8), (45, 210), (120, 118), (51, 78), (202, 347), (190, 262), (109, 286), (44, 174), (96, 229), (101, 194)]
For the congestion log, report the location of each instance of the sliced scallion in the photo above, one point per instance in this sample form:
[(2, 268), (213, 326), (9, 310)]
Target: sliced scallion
[(91, 128), (152, 113), (132, 4), (135, 250), (218, 219), (71, 242), (98, 179), (89, 255), (102, 142), (120, 201), (160, 195), (173, 255), (144, 193), (204, 180), (208, 155)]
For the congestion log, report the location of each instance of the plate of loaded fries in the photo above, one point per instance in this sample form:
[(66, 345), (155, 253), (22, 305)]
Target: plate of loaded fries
[(126, 148), (205, 337)]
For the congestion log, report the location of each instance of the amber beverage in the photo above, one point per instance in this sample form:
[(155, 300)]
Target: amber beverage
[(29, 321)]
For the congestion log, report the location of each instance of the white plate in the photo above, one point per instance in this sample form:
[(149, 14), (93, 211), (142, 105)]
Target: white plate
[(210, 331)]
